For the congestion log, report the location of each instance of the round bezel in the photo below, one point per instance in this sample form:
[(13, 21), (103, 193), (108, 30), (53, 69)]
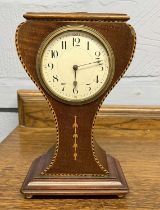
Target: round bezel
[(101, 39)]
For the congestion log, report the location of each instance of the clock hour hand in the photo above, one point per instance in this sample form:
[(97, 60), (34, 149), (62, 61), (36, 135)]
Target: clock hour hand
[(75, 68)]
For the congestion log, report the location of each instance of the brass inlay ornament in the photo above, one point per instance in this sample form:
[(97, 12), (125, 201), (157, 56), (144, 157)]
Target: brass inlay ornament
[(75, 137)]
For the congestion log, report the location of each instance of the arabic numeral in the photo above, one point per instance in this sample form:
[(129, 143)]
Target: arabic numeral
[(50, 66), (76, 41), (64, 45), (97, 54), (97, 79), (55, 78), (54, 53), (88, 45), (75, 91)]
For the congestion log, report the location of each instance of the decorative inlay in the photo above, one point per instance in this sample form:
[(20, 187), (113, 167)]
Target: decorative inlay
[(75, 137)]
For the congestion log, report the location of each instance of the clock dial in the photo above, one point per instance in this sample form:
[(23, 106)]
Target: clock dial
[(75, 64)]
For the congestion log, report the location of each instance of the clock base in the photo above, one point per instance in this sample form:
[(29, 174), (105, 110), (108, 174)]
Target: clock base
[(113, 184)]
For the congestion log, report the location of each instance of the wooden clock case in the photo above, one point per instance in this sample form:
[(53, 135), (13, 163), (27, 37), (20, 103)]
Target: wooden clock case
[(76, 165)]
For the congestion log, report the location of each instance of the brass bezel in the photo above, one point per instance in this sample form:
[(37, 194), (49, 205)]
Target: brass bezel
[(98, 36)]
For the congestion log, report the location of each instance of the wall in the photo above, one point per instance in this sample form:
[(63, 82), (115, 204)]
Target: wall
[(140, 85)]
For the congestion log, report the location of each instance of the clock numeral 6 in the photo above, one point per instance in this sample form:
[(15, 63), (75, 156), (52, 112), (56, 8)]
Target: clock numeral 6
[(75, 91), (55, 78), (54, 53), (76, 41)]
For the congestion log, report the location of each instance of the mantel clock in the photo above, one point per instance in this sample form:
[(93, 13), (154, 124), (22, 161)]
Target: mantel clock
[(75, 59)]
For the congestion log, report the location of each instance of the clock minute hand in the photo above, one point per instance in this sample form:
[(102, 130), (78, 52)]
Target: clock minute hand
[(89, 63)]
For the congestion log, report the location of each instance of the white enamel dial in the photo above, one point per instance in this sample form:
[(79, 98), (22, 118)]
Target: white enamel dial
[(75, 64)]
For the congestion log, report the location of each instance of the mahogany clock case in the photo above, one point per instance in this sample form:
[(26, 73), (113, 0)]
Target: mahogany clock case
[(57, 172)]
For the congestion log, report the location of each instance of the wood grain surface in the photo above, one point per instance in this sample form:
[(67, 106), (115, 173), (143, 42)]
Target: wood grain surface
[(77, 16)]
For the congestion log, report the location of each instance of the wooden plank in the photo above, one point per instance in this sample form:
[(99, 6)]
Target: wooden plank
[(77, 15), (34, 112)]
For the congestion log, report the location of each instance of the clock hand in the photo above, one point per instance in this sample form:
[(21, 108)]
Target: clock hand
[(88, 63), (75, 68)]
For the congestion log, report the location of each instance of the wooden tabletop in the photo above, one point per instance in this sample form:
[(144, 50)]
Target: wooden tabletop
[(138, 153), (127, 139)]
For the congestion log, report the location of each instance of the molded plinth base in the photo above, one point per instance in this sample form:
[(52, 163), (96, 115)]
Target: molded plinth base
[(113, 184)]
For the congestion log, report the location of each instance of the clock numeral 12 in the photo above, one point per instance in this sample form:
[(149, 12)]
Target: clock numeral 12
[(76, 42)]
